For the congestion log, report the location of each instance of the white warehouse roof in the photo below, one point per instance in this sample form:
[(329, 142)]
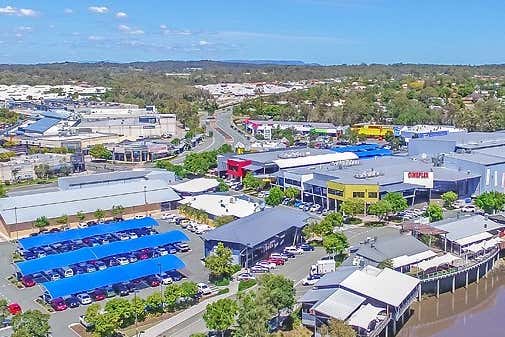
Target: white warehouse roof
[(25, 208), (315, 160), (197, 185)]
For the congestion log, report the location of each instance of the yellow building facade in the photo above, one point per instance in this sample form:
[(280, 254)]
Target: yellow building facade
[(373, 131), (339, 192)]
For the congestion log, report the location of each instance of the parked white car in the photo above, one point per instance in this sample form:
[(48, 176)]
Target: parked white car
[(204, 289), (315, 208), (164, 278), (167, 216), (470, 209), (293, 250), (266, 265)]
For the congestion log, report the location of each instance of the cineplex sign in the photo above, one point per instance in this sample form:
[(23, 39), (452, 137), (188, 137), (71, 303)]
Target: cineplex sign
[(423, 178)]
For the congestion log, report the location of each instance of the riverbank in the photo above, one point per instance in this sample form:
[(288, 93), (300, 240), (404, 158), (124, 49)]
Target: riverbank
[(476, 311)]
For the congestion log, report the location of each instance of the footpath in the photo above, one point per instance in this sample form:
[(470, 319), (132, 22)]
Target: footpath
[(168, 324)]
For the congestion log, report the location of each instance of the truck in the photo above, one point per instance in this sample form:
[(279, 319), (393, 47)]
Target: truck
[(322, 267)]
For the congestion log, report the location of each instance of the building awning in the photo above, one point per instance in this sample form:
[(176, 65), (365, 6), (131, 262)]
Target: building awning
[(364, 316), (438, 261), (339, 305), (399, 187), (253, 168), (488, 244), (423, 228), (406, 260), (473, 238)]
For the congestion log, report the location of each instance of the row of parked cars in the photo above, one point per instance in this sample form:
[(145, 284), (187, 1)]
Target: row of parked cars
[(276, 259), (93, 241), (118, 289), (191, 225), (306, 206), (104, 263)]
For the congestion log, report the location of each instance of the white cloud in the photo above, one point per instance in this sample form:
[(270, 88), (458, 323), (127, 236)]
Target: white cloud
[(203, 43), (95, 38), (129, 30), (163, 27), (24, 29), (98, 9), (68, 11), (121, 15), (9, 10)]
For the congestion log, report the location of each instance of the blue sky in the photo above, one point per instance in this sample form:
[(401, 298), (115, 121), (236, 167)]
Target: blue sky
[(322, 31)]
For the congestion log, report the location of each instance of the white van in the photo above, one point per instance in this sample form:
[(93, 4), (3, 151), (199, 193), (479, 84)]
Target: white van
[(68, 272)]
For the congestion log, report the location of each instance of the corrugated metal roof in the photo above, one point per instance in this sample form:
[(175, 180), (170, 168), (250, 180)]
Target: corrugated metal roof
[(42, 125), (466, 226), (71, 181), (89, 281), (259, 227), (340, 305), (53, 204)]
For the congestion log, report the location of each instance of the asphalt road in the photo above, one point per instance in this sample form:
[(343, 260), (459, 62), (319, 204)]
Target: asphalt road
[(224, 122)]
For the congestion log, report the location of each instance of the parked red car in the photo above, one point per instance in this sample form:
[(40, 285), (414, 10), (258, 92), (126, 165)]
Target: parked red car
[(58, 304), (153, 281), (14, 308), (97, 295), (278, 262), (27, 281)]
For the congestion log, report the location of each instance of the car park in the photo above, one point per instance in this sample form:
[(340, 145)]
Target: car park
[(171, 249), (165, 278), (100, 265), (109, 291), (58, 304), (28, 281), (120, 289), (204, 289), (84, 298), (279, 256), (305, 247), (182, 247), (97, 295), (152, 281), (90, 268), (276, 261), (71, 301), (14, 308), (162, 251), (142, 255), (259, 269), (132, 258), (175, 275), (293, 250), (266, 264), (245, 276), (133, 235), (51, 275), (122, 261)]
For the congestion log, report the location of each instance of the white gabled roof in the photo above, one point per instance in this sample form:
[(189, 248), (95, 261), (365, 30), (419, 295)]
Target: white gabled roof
[(196, 185), (473, 238), (385, 285), (438, 261), (339, 305), (219, 205), (406, 260), (314, 160), (364, 316)]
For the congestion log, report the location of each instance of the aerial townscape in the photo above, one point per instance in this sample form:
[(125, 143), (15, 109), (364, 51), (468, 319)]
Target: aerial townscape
[(172, 169)]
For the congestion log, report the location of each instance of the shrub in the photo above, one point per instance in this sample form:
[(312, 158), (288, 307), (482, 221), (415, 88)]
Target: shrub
[(223, 291), (246, 284)]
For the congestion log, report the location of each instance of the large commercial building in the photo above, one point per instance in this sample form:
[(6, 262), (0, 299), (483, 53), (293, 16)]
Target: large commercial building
[(254, 237), (370, 179), (478, 153), (264, 128), (138, 193)]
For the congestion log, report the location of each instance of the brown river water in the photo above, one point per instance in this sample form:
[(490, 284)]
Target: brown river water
[(478, 311)]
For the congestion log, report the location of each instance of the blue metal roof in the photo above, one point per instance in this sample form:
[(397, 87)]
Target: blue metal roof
[(42, 125), (91, 281), (81, 233), (260, 226), (94, 253), (374, 153)]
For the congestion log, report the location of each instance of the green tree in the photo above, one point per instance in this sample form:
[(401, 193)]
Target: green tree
[(122, 310), (138, 306), (41, 171), (251, 182), (41, 222), (380, 209), (105, 325), (4, 312), (335, 243), (188, 289), (291, 193), (220, 315), (275, 196), (175, 141), (222, 187), (117, 211), (220, 262), (225, 148), (92, 312), (490, 202), (31, 323), (223, 220), (352, 207), (179, 170), (154, 302), (99, 214), (3, 192), (449, 198), (80, 216), (434, 212), (99, 151), (333, 219), (171, 295), (397, 201), (253, 313), (62, 220), (277, 290), (388, 263), (337, 328)]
